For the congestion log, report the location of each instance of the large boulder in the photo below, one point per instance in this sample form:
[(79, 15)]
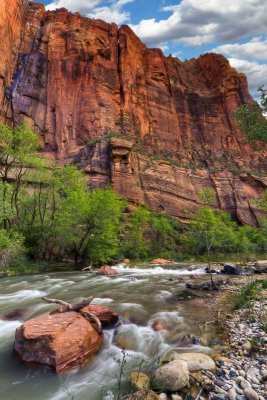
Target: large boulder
[(59, 341), (228, 269), (196, 361), (172, 376), (106, 315), (107, 270)]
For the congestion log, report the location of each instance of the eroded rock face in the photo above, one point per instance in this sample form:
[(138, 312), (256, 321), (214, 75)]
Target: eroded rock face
[(12, 18), (59, 341), (77, 79)]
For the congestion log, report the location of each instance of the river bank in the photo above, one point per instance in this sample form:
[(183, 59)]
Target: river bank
[(27, 267), (241, 365)]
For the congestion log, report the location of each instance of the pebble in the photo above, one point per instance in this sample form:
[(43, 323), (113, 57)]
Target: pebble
[(241, 375), (219, 397), (232, 394), (250, 394), (244, 384), (175, 397), (163, 396)]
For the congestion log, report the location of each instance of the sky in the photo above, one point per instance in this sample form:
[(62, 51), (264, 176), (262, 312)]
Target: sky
[(188, 28)]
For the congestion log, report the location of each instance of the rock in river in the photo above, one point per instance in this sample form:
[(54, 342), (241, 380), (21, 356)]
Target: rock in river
[(106, 315), (107, 270), (196, 361), (60, 341)]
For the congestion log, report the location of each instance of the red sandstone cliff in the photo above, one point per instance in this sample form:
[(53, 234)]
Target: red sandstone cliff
[(12, 17), (77, 79)]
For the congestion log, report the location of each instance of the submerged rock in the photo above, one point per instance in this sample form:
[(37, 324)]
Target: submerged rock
[(59, 341), (15, 315), (172, 376)]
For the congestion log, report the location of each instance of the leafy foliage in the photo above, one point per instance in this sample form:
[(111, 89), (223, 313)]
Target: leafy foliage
[(148, 234), (48, 213), (11, 248), (250, 120)]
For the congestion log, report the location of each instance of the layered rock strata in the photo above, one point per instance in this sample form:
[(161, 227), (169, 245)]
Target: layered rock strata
[(155, 128)]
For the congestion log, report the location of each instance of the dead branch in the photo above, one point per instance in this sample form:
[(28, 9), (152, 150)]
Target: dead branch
[(92, 318), (56, 301), (65, 307)]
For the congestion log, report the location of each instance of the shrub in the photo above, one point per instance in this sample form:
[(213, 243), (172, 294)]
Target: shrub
[(11, 248)]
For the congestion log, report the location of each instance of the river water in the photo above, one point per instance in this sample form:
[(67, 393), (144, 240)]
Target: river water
[(141, 296)]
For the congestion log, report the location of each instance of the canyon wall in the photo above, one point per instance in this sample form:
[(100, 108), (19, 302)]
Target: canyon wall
[(155, 128)]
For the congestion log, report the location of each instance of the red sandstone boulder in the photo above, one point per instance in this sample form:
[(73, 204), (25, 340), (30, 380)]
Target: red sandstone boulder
[(106, 315), (60, 341), (107, 270)]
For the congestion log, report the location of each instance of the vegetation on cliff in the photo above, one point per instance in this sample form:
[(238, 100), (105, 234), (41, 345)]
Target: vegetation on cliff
[(251, 121), (48, 213)]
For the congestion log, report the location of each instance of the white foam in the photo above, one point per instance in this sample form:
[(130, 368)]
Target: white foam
[(99, 300), (168, 318), (7, 329), (22, 295), (159, 270)]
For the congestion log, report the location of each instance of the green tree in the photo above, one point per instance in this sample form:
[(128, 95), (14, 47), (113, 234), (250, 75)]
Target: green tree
[(136, 228), (210, 231), (18, 155), (263, 100), (262, 201), (250, 120), (93, 225), (11, 248), (165, 235), (149, 234)]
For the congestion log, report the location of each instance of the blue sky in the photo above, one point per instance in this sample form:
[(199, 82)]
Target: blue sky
[(188, 28)]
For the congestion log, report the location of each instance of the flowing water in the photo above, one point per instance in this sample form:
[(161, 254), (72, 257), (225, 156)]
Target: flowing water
[(141, 296)]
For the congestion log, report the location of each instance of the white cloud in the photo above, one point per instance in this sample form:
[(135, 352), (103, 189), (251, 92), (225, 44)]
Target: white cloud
[(96, 9), (250, 58), (255, 49), (195, 22), (255, 72)]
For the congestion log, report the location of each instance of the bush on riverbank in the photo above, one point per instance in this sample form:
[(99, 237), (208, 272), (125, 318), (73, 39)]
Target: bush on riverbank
[(11, 248)]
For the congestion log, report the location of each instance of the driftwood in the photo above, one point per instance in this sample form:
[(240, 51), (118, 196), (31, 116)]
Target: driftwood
[(66, 307)]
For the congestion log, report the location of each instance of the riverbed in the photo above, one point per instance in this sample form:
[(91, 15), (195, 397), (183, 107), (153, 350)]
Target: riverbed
[(141, 295)]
